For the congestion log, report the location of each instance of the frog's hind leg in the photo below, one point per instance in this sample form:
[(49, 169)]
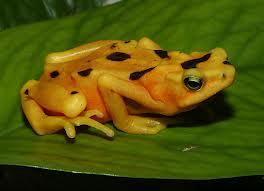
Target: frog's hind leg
[(40, 122), (112, 89), (78, 52)]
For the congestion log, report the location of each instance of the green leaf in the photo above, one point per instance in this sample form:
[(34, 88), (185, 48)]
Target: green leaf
[(14, 12), (231, 145)]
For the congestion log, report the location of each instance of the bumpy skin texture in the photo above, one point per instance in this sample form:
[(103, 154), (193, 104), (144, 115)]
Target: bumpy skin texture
[(119, 81)]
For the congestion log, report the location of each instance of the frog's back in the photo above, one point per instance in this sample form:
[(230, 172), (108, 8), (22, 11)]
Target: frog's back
[(116, 58), (120, 59)]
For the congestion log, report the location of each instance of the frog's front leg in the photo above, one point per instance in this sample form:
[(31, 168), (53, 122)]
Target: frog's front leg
[(44, 124), (40, 122), (113, 89)]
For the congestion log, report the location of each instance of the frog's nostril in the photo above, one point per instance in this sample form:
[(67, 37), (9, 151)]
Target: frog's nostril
[(224, 75)]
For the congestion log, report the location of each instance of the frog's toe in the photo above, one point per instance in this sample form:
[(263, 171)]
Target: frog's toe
[(144, 125), (94, 112), (84, 120)]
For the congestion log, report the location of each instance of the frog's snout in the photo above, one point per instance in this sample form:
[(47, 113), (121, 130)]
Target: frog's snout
[(228, 75), (74, 104)]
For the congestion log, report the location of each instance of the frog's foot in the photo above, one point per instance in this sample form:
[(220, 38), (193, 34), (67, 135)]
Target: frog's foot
[(143, 125)]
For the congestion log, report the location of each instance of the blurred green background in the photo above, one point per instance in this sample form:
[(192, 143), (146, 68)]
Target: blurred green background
[(13, 12)]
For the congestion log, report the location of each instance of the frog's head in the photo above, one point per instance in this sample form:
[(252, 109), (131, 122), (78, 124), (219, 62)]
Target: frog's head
[(201, 77)]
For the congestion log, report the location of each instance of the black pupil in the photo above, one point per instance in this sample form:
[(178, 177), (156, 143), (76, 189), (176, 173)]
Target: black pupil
[(54, 74), (193, 84)]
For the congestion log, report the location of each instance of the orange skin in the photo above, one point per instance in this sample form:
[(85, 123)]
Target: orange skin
[(84, 83)]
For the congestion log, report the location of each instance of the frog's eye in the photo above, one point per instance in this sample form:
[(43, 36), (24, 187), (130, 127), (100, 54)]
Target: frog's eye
[(193, 83)]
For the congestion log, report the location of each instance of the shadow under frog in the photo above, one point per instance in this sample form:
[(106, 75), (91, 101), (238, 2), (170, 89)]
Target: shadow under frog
[(210, 111)]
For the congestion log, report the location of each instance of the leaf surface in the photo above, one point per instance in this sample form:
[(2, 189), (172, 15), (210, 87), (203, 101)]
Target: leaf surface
[(13, 13), (230, 146)]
